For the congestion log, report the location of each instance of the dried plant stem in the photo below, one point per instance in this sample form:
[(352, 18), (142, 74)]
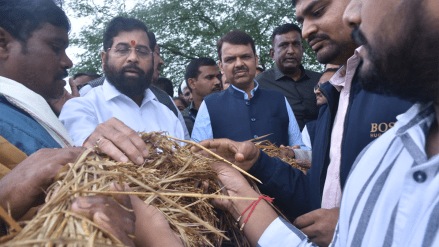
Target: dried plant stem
[(220, 158)]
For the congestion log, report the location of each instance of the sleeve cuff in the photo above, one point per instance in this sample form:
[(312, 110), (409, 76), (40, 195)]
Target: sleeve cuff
[(281, 233)]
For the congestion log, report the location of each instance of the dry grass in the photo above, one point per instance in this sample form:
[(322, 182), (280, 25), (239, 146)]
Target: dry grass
[(283, 153), (170, 179)]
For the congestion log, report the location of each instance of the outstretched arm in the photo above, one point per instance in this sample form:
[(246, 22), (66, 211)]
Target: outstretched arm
[(24, 186), (286, 184)]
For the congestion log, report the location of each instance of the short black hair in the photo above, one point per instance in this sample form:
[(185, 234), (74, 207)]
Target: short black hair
[(285, 28), (89, 74), (235, 37), (260, 67), (152, 40), (125, 24), (183, 101), (179, 89), (193, 68), (166, 85), (21, 18)]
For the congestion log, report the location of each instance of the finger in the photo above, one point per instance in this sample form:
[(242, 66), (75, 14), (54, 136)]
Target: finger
[(304, 220), (120, 225), (118, 141), (122, 199), (222, 145), (244, 151), (73, 87), (127, 140), (85, 206), (309, 232)]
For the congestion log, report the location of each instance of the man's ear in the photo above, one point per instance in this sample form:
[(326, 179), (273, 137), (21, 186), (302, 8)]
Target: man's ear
[(271, 53), (5, 40), (103, 59), (191, 83), (220, 65)]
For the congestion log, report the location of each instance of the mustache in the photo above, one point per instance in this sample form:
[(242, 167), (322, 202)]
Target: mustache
[(320, 36), (133, 67), (359, 37), (290, 57), (217, 87), (63, 74), (240, 69)]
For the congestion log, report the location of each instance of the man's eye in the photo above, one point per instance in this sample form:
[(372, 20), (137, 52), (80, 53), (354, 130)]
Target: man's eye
[(56, 48), (122, 49), (318, 12)]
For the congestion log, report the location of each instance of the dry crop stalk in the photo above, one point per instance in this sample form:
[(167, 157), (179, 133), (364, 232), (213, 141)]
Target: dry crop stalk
[(274, 151), (169, 169)]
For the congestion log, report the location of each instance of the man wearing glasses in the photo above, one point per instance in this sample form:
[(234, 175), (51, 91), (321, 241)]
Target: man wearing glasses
[(128, 64)]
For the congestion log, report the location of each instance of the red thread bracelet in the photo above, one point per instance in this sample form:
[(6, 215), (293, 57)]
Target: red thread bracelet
[(252, 207)]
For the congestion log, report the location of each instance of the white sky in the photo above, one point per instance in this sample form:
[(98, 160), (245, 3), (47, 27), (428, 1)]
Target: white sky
[(78, 23)]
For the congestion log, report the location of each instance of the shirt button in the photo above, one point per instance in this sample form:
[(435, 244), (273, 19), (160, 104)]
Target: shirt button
[(253, 119), (247, 102), (419, 176), (255, 136)]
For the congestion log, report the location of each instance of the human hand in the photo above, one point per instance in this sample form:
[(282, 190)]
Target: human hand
[(113, 214), (319, 225), (118, 141), (237, 186), (152, 228), (243, 154), (74, 87), (234, 184), (23, 187), (287, 152)]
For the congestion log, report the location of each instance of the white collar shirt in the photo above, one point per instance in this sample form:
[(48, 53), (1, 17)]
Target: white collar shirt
[(394, 204), (81, 115)]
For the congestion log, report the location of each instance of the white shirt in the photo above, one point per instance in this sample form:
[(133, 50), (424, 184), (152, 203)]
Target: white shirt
[(342, 82), (81, 115), (395, 203), (306, 138)]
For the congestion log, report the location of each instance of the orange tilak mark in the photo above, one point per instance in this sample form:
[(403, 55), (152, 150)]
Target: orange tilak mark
[(133, 42)]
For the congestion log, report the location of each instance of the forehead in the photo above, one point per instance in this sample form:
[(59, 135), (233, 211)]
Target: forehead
[(139, 36), (49, 32), (229, 49), (208, 69), (305, 7), (178, 102), (290, 36)]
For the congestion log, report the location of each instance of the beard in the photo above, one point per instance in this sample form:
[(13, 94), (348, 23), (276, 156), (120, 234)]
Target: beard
[(406, 65), (128, 85), (333, 51)]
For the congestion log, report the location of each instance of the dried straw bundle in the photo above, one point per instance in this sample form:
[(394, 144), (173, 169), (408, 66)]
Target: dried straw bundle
[(168, 180), (282, 153)]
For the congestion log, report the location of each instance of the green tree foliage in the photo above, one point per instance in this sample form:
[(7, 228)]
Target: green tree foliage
[(185, 29)]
